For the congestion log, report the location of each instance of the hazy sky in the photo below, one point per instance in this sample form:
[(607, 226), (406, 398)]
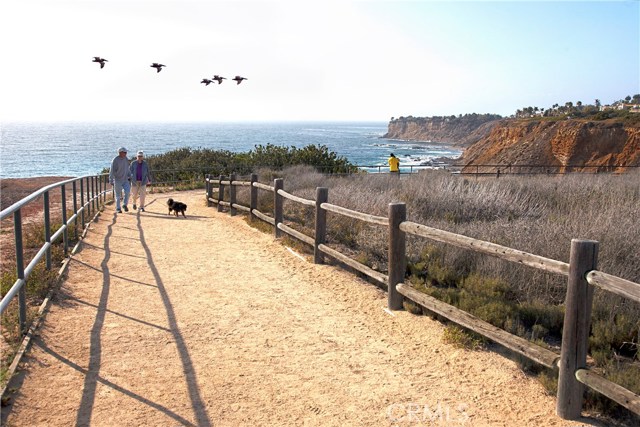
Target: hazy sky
[(311, 60)]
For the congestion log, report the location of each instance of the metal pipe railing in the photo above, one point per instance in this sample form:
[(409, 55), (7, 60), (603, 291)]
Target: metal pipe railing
[(22, 272)]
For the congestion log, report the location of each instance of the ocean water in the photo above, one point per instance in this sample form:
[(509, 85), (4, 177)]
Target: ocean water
[(75, 149)]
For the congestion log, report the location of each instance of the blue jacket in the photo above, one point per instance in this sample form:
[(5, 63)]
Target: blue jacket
[(146, 174)]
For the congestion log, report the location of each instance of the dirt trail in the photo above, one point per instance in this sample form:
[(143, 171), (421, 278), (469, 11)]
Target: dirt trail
[(203, 321)]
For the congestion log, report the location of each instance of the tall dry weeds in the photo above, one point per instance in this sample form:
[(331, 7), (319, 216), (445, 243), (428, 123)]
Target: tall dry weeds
[(536, 214)]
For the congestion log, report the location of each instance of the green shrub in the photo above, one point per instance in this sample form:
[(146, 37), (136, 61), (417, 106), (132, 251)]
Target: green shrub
[(461, 338), (549, 381), (542, 319), (188, 164)]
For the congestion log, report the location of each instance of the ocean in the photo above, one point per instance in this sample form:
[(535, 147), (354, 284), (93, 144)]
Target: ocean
[(30, 149)]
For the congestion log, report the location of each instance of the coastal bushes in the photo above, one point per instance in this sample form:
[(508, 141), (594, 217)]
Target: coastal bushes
[(188, 164)]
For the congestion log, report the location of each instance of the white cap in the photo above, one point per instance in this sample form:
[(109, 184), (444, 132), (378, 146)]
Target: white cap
[(140, 153), (122, 150)]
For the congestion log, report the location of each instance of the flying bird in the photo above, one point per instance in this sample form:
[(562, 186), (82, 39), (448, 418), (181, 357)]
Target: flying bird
[(239, 79), (157, 66), (206, 82), (99, 60), (218, 78)]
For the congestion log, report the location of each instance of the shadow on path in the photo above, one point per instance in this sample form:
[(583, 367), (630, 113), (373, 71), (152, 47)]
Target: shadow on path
[(95, 349), (197, 404), (114, 386)]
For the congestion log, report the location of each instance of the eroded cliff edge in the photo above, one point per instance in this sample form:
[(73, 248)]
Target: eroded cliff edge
[(531, 142), (456, 131)]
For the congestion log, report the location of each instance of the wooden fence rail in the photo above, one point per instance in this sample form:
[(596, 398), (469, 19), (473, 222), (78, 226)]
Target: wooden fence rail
[(580, 271)]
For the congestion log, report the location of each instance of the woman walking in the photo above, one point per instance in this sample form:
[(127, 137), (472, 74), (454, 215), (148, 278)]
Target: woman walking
[(141, 176)]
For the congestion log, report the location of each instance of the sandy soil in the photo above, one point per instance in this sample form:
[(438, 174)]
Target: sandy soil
[(203, 321)]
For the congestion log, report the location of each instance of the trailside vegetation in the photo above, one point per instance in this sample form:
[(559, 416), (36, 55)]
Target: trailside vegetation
[(183, 163), (472, 119), (535, 214), (626, 111)]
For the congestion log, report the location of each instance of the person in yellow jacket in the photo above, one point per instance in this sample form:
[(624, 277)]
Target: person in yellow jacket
[(394, 164)]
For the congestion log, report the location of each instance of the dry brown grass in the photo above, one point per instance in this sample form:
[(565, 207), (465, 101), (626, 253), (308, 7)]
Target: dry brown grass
[(536, 214)]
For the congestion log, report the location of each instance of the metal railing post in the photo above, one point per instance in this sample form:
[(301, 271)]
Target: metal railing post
[(100, 192), (94, 188), (82, 202), (278, 184), (22, 294), (91, 192), (47, 229), (397, 249), (575, 331), (322, 196), (65, 232), (75, 209), (88, 198), (104, 190)]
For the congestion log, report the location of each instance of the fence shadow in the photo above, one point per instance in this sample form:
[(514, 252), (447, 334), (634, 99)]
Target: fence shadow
[(197, 404), (95, 347)]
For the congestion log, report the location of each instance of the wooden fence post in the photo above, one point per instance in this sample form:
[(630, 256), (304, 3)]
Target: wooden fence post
[(220, 192), (208, 187), (278, 184), (232, 195), (253, 201), (322, 196), (397, 249), (575, 332)]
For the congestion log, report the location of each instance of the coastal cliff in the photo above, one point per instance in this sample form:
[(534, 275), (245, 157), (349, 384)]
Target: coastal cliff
[(459, 131), (557, 144), (553, 143)]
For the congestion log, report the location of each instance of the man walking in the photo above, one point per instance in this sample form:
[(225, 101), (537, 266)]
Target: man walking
[(141, 176), (120, 178)]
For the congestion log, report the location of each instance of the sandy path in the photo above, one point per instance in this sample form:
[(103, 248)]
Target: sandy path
[(202, 321)]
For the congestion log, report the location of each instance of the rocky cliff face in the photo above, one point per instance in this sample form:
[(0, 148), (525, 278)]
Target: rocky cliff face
[(454, 131), (556, 144)]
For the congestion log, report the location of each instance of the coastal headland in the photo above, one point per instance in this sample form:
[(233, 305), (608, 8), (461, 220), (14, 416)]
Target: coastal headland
[(556, 143)]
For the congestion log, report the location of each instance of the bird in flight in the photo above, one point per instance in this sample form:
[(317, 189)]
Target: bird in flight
[(206, 82), (218, 78), (157, 66), (239, 79), (99, 60)]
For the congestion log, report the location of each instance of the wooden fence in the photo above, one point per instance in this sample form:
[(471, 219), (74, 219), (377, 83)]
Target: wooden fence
[(573, 373)]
